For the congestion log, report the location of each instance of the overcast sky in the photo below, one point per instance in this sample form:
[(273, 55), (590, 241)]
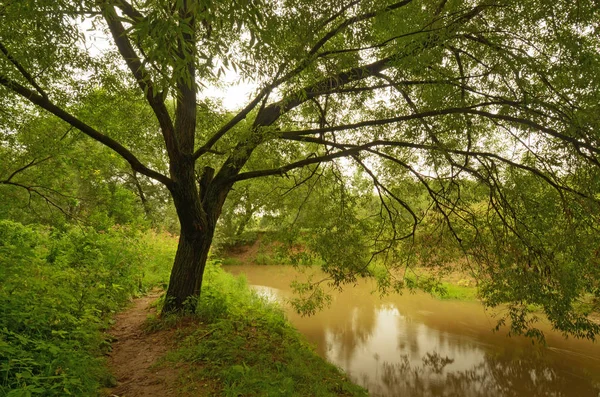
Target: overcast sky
[(235, 94)]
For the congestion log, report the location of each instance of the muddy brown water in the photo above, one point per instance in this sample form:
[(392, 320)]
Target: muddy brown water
[(415, 345)]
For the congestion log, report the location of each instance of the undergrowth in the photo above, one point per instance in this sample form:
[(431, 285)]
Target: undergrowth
[(58, 290), (244, 345)]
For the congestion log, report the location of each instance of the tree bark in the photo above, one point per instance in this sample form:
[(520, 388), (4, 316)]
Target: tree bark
[(188, 270), (199, 204)]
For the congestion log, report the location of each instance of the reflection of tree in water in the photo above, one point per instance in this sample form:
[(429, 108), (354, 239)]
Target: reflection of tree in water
[(355, 330), (345, 328), (495, 376), (463, 369), (436, 362)]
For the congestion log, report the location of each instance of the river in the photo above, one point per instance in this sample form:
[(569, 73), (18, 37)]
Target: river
[(415, 345)]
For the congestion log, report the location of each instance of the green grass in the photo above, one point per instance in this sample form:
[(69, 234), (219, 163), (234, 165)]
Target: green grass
[(231, 262), (266, 259), (242, 345), (461, 290), (60, 288), (456, 292), (588, 304)]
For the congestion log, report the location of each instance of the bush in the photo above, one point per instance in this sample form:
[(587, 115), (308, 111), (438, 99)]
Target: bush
[(158, 250), (57, 290)]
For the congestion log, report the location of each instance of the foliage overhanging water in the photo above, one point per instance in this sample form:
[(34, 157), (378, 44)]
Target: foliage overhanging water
[(417, 345)]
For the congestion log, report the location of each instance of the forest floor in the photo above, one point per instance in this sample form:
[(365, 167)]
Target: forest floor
[(136, 353)]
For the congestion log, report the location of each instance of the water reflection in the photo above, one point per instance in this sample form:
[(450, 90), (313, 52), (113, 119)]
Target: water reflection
[(414, 345), (492, 377)]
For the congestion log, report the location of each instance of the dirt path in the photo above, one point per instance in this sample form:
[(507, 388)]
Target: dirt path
[(134, 353)]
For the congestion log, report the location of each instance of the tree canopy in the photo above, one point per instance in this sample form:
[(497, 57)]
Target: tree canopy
[(480, 117)]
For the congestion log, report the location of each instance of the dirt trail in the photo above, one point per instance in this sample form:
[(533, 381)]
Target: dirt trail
[(134, 353)]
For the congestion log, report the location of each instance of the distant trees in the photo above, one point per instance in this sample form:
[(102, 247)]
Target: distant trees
[(443, 96)]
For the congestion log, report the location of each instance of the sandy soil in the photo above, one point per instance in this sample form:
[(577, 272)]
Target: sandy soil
[(134, 353)]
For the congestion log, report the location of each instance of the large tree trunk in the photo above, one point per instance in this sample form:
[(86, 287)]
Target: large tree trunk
[(199, 205), (186, 277)]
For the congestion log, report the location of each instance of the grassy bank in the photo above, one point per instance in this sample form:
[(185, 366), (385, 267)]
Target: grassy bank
[(455, 286), (239, 344), (452, 291)]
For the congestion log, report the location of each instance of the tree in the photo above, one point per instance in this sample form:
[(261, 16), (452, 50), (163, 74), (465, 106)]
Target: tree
[(54, 174), (437, 92)]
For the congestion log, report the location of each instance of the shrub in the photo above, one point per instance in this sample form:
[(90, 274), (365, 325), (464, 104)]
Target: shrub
[(57, 290)]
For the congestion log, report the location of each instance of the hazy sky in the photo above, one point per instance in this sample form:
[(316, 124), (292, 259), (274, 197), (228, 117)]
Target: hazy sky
[(234, 95)]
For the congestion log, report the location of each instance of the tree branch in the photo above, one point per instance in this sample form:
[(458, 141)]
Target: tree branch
[(24, 72), (130, 11), (32, 163), (385, 121), (380, 186), (298, 164), (376, 46), (337, 14), (207, 147), (275, 110), (143, 79), (350, 21), (33, 190), (459, 110), (371, 145), (86, 129)]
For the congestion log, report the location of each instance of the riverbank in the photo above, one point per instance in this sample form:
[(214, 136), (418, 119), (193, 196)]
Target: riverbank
[(236, 344), (453, 285)]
